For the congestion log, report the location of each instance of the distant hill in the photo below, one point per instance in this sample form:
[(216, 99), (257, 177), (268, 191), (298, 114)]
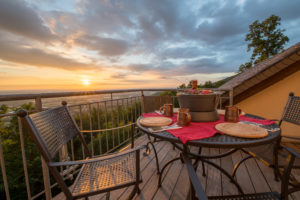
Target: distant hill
[(219, 83), (209, 84)]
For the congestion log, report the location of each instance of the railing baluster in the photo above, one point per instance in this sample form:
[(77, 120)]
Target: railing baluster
[(112, 120), (135, 109), (123, 118), (118, 119), (127, 111), (173, 101), (99, 127), (72, 145), (3, 170), (60, 159), (24, 158), (72, 149), (131, 110), (81, 128), (140, 105), (46, 176), (106, 126), (91, 128), (142, 102)]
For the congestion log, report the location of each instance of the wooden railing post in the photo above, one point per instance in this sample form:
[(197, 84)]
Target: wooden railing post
[(2, 164), (24, 158), (46, 177), (231, 97)]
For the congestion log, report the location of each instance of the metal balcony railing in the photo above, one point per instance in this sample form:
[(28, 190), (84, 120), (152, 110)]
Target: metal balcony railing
[(105, 117)]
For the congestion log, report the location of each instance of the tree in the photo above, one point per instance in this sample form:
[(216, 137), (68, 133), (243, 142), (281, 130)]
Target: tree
[(266, 39), (3, 109)]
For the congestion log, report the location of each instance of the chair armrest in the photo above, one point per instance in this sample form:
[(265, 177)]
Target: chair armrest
[(94, 159), (194, 178), (293, 152)]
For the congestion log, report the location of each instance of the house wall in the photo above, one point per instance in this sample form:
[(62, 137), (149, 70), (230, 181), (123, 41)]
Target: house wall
[(270, 102)]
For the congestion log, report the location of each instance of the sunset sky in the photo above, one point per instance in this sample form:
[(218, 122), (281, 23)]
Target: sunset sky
[(103, 44)]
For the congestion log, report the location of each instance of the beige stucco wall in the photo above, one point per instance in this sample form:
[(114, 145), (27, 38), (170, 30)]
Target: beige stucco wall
[(269, 103)]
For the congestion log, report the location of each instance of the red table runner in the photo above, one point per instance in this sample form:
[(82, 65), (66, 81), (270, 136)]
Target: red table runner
[(200, 130)]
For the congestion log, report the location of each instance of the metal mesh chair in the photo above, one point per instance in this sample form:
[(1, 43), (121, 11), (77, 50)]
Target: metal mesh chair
[(291, 111), (53, 128), (272, 154), (289, 183), (152, 103), (197, 190)]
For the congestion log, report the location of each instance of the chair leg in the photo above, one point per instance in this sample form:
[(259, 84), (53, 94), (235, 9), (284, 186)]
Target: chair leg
[(275, 161), (107, 195), (136, 189), (286, 177), (203, 169)]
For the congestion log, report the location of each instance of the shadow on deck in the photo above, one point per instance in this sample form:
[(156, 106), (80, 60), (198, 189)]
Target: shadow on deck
[(253, 176)]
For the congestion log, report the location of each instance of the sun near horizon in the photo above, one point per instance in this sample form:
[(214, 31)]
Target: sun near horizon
[(85, 82)]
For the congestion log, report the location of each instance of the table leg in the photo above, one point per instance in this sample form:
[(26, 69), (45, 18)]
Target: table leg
[(148, 151), (204, 159), (195, 185), (197, 161), (162, 170)]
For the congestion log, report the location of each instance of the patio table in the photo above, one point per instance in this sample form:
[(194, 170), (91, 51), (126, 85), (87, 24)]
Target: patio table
[(231, 143)]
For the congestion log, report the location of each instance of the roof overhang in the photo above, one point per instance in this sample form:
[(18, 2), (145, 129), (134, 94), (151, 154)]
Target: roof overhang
[(266, 72)]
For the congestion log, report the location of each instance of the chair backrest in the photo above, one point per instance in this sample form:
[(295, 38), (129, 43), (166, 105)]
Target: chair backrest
[(51, 129), (291, 111), (152, 103)]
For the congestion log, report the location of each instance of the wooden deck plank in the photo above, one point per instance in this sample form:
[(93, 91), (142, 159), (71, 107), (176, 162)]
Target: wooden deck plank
[(203, 181), (150, 187), (253, 176), (213, 177), (227, 187), (269, 176), (242, 175), (147, 163), (258, 180), (181, 187), (170, 178)]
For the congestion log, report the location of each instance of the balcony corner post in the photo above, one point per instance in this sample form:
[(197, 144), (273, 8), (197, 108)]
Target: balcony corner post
[(143, 101)]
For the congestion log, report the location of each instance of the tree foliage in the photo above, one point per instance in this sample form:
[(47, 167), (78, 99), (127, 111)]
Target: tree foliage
[(206, 84), (266, 40)]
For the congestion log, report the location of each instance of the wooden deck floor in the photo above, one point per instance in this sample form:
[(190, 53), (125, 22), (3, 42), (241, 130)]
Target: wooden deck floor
[(253, 176)]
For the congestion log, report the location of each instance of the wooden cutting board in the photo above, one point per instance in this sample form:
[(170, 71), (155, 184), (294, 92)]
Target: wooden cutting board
[(242, 130), (156, 121)]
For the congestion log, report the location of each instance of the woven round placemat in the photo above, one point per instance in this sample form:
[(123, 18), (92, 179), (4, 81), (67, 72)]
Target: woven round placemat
[(156, 121), (242, 130)]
